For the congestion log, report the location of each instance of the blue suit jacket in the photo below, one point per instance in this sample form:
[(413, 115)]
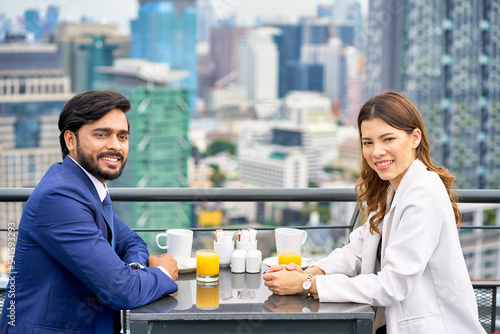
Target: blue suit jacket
[(66, 277)]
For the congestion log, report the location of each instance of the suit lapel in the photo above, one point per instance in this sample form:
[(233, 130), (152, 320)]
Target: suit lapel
[(387, 222), (93, 195)]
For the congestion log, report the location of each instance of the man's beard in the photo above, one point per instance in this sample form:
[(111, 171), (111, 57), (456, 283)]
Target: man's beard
[(89, 163)]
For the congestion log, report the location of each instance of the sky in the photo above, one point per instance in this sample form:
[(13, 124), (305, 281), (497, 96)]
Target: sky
[(122, 11)]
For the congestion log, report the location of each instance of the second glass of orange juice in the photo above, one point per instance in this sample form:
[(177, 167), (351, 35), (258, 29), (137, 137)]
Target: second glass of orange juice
[(289, 257), (207, 265)]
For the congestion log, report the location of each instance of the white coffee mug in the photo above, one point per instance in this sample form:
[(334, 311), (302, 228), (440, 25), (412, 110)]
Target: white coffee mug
[(179, 244), (289, 239)]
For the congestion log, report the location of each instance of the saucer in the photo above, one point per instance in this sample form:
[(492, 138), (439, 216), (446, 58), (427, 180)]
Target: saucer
[(272, 261), (188, 267)]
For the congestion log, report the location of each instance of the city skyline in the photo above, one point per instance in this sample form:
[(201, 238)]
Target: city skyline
[(246, 10)]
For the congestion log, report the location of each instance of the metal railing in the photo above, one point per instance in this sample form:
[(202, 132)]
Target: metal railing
[(253, 195)]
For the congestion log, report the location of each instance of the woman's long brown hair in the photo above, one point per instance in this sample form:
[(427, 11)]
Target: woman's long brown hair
[(399, 112)]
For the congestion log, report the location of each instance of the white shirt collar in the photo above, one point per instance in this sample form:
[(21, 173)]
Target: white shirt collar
[(102, 190)]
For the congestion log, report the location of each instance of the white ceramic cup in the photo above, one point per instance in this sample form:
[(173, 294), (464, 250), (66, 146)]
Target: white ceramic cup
[(179, 244), (225, 250), (289, 239)]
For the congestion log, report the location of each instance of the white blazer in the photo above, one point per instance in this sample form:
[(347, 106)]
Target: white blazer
[(423, 282)]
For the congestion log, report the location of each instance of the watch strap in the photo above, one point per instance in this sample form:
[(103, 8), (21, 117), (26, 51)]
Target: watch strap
[(308, 279), (137, 266)]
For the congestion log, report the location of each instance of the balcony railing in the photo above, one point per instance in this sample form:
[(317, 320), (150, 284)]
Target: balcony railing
[(260, 195), (252, 195)]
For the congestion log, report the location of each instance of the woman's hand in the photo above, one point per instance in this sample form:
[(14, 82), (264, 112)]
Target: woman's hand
[(280, 267), (285, 281)]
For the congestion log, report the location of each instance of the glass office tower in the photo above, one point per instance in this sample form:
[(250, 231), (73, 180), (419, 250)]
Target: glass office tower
[(158, 145), (453, 73), (165, 32), (444, 56)]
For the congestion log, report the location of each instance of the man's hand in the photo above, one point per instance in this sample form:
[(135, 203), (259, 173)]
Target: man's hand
[(167, 262)]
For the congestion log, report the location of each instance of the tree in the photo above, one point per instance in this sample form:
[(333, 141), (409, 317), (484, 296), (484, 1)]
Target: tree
[(219, 145), (217, 178)]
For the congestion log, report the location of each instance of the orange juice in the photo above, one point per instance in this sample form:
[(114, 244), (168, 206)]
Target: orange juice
[(289, 257), (207, 265), (207, 296)]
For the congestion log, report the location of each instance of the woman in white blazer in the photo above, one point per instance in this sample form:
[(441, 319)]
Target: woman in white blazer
[(406, 259)]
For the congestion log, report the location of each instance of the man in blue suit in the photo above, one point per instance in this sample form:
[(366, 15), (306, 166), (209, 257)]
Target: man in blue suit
[(76, 262)]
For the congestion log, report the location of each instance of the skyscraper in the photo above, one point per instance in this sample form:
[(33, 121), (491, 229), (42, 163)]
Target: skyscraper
[(258, 63), (32, 84), (444, 55), (289, 43), (224, 50), (85, 46), (327, 55), (51, 20), (33, 90), (386, 40), (165, 32), (159, 148), (32, 23), (452, 75)]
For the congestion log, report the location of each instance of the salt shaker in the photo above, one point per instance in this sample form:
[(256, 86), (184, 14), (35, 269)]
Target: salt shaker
[(238, 261), (253, 261)]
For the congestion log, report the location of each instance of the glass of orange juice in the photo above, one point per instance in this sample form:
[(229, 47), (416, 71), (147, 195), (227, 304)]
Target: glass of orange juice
[(207, 295), (207, 265), (289, 257)]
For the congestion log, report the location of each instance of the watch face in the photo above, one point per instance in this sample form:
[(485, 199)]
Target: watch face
[(306, 285)]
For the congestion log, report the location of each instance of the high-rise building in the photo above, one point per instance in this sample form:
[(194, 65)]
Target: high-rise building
[(452, 76), (293, 73), (165, 32), (289, 44), (4, 26), (327, 55), (33, 90), (444, 55), (280, 164), (204, 20), (312, 113), (51, 20), (386, 39), (32, 85), (224, 52), (32, 23), (85, 46), (159, 147), (355, 83), (258, 63), (316, 31)]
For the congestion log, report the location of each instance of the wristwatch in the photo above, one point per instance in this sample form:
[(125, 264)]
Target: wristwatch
[(137, 266), (306, 285)]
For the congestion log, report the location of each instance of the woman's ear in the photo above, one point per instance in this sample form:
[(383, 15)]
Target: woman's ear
[(416, 137)]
